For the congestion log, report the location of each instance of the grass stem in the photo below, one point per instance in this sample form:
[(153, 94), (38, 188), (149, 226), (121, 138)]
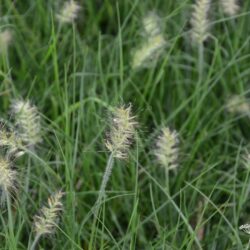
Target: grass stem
[(34, 243), (11, 223), (101, 194)]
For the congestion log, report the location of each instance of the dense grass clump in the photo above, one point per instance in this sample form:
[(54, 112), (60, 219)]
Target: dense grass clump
[(124, 124)]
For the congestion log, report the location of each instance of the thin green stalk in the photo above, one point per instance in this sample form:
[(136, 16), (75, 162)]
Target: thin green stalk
[(101, 195), (167, 178), (201, 62), (6, 67), (199, 87), (10, 223), (105, 180), (28, 172), (37, 238), (248, 245), (27, 178)]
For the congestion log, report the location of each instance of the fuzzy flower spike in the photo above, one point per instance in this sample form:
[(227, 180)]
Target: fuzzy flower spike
[(69, 12), (230, 7), (246, 160), (238, 104), (8, 179), (149, 53), (46, 222), (5, 40), (11, 141), (119, 141), (27, 121), (245, 228), (122, 132), (153, 45), (166, 150), (152, 25), (200, 21)]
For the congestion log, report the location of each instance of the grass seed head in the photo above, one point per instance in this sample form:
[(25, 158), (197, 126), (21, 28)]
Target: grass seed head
[(8, 179), (245, 228), (5, 40), (166, 150), (69, 12), (238, 104), (246, 160), (122, 132), (46, 222), (27, 121), (230, 7), (152, 25), (12, 142), (149, 52), (200, 21)]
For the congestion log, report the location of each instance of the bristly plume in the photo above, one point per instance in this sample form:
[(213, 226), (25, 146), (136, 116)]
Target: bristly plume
[(69, 12), (27, 121), (200, 21), (238, 104), (152, 25), (149, 53), (122, 132), (46, 222), (166, 150), (230, 7), (153, 44), (8, 179), (11, 141), (5, 40), (246, 160), (245, 228)]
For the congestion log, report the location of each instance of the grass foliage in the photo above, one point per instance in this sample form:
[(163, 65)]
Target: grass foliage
[(76, 74)]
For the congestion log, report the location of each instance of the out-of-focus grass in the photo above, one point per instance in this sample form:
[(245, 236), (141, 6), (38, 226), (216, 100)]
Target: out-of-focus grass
[(76, 73)]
